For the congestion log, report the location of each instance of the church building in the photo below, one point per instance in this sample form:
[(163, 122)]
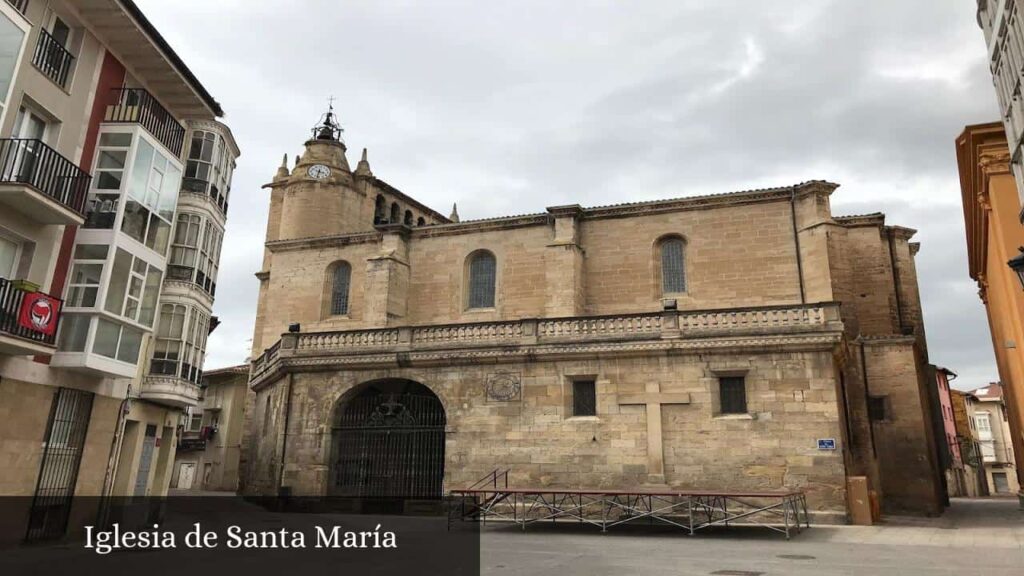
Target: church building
[(745, 340)]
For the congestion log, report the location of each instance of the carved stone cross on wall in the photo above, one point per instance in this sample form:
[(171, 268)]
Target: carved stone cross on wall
[(654, 399)]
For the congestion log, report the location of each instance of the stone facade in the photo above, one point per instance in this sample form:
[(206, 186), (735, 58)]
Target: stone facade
[(778, 293)]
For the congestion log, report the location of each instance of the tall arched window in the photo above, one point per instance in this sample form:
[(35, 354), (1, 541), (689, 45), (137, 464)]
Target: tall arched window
[(339, 288), (396, 213), (482, 279), (380, 209), (673, 265), (420, 221), (408, 218)]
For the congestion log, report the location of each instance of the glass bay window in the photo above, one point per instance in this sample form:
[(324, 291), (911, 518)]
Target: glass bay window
[(119, 260)]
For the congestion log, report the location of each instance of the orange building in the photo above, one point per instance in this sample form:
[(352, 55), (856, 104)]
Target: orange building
[(992, 213)]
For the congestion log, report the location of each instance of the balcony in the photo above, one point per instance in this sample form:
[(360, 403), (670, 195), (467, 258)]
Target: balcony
[(196, 277), (28, 320), (169, 391), (40, 183), (995, 452), (137, 106), (799, 326), (209, 189), (53, 59)]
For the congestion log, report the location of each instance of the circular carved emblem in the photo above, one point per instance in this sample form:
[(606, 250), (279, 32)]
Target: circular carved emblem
[(503, 387)]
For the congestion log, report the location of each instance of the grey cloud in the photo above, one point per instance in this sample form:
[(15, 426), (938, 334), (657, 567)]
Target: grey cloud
[(510, 107)]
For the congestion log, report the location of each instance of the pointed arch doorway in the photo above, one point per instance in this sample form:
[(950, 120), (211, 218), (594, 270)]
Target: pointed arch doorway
[(388, 443)]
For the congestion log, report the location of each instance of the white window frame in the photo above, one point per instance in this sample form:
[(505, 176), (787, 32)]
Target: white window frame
[(19, 20)]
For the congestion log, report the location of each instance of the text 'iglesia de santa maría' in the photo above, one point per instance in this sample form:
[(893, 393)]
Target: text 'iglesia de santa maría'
[(748, 340)]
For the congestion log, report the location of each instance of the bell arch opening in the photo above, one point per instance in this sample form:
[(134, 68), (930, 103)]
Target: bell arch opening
[(388, 442)]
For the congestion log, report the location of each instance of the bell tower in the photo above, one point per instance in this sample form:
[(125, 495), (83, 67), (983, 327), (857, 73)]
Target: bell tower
[(318, 196)]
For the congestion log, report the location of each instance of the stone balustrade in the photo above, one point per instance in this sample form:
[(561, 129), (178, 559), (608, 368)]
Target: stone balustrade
[(532, 332)]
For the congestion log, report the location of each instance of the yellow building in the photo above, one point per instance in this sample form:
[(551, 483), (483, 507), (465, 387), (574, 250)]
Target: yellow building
[(994, 234)]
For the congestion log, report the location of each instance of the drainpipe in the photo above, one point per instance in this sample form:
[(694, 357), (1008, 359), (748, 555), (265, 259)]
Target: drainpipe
[(114, 457), (796, 244), (284, 434), (867, 398)]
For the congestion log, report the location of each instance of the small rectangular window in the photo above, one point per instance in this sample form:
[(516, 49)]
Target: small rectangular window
[(584, 398), (876, 408), (732, 393)]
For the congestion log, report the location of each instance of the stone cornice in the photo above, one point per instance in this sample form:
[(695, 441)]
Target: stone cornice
[(901, 232), (711, 201), (886, 339), (876, 219), (994, 161), (323, 241)]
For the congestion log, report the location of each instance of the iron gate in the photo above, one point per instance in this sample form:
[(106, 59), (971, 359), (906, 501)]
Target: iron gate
[(391, 445), (58, 471)]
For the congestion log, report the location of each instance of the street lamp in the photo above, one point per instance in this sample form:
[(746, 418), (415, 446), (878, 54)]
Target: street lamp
[(1017, 265)]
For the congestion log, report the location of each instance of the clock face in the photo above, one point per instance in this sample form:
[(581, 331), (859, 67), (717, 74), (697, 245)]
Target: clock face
[(318, 171)]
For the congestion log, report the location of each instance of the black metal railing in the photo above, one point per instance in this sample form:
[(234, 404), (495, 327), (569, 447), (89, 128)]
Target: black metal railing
[(138, 106), (28, 161), (53, 59), (193, 275), (11, 298), (200, 186), (19, 5)]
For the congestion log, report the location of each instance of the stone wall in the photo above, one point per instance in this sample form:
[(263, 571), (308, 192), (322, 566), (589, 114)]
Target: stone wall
[(791, 398), (603, 265), (904, 441)]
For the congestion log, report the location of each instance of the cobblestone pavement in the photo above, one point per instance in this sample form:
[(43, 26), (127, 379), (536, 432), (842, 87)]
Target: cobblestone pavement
[(974, 537)]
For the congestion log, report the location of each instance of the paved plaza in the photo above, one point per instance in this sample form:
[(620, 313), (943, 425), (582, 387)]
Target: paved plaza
[(979, 536)]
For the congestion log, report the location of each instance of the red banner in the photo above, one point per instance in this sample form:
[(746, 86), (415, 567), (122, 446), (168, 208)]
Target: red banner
[(39, 313)]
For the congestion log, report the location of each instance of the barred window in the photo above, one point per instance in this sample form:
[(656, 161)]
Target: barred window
[(584, 398), (732, 394), (482, 275), (673, 270), (339, 289)]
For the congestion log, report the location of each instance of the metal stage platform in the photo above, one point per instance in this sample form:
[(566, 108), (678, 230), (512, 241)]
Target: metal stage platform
[(691, 510)]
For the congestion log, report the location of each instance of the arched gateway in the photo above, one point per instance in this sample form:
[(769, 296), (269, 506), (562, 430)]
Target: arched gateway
[(389, 442)]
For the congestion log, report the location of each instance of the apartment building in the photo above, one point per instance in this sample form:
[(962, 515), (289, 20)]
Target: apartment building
[(992, 428), (1000, 21), (114, 182), (210, 439)]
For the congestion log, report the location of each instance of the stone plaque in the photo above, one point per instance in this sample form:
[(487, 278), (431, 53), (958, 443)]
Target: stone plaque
[(503, 387)]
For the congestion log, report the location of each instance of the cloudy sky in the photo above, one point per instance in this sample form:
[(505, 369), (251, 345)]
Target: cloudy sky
[(509, 107)]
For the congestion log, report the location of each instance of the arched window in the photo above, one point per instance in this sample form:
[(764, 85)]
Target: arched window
[(339, 289), (673, 265), (408, 218), (396, 213), (380, 210), (420, 221), (482, 277)]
